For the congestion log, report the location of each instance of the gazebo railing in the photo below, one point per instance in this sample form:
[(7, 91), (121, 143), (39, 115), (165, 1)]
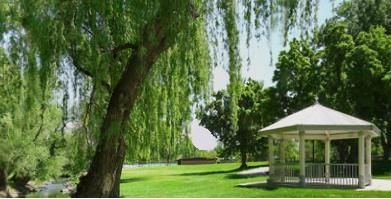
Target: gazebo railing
[(317, 173), (288, 173), (339, 174)]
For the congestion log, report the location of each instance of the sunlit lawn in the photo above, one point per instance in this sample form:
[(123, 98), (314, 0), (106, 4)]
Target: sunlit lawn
[(216, 180)]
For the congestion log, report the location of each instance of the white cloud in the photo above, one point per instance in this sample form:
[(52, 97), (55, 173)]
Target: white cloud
[(201, 137)]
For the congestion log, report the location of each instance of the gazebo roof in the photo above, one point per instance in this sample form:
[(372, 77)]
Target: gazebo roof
[(320, 122)]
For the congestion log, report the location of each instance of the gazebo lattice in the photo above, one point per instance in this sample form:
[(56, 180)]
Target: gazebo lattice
[(318, 122)]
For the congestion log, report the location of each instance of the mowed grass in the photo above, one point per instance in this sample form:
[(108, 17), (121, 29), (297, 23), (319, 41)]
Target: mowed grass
[(216, 180)]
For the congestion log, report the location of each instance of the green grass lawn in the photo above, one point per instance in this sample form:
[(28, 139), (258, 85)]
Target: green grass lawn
[(216, 180)]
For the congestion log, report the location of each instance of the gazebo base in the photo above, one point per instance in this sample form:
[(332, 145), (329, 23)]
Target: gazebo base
[(320, 182), (342, 174), (377, 185)]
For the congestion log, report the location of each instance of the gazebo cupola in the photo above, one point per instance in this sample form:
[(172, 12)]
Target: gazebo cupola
[(318, 122)]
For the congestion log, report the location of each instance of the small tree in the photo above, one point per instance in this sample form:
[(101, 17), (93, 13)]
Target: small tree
[(215, 117)]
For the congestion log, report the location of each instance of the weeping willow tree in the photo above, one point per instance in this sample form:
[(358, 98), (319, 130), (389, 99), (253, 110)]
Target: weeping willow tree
[(29, 120), (142, 63)]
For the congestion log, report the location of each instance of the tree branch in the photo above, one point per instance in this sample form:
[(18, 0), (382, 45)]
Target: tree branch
[(84, 122), (121, 47), (87, 30), (194, 12), (43, 108), (88, 73)]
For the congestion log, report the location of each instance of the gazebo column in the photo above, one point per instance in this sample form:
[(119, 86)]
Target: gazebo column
[(327, 158), (368, 172), (271, 159), (282, 158), (302, 157), (361, 163)]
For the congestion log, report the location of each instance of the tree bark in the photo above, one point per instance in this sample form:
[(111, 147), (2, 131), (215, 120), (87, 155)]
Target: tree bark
[(243, 155), (385, 140), (3, 184), (3, 180), (386, 152), (103, 177), (115, 193)]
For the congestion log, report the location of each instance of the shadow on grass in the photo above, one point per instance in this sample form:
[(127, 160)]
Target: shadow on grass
[(269, 187), (208, 172), (261, 185), (222, 172), (129, 180), (255, 166), (238, 176)]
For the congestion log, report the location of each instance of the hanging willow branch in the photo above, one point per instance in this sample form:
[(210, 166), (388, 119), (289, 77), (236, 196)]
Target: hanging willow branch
[(41, 116), (87, 114), (88, 73)]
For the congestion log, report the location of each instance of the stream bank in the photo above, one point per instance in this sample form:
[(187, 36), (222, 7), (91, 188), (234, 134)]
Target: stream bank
[(53, 189)]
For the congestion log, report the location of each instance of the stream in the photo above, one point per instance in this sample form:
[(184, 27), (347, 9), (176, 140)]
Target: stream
[(54, 189), (51, 189)]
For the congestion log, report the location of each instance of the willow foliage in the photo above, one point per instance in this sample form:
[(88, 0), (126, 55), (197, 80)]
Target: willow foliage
[(25, 118), (179, 79), (79, 50)]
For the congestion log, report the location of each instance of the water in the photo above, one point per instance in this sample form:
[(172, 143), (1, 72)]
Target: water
[(50, 190)]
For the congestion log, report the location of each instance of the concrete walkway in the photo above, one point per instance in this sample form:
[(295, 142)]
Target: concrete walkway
[(378, 185), (254, 172)]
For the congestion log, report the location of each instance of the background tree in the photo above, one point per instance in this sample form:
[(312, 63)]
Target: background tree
[(361, 15), (295, 69), (366, 61), (369, 66), (346, 69), (215, 117)]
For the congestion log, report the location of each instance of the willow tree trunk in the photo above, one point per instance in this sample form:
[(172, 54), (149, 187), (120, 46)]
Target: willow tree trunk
[(103, 177), (3, 180), (106, 166)]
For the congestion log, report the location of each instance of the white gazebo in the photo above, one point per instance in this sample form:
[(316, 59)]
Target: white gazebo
[(318, 122)]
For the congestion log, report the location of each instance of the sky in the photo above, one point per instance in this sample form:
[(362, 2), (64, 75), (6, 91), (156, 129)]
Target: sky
[(259, 69)]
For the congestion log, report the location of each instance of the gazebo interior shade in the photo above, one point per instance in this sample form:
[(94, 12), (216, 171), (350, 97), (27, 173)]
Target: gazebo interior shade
[(320, 122)]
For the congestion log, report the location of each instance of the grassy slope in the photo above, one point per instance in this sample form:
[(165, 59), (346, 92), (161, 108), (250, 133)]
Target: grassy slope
[(218, 180)]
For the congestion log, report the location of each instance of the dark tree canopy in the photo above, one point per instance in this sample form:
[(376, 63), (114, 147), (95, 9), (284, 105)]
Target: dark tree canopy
[(347, 67), (362, 15), (215, 117)]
